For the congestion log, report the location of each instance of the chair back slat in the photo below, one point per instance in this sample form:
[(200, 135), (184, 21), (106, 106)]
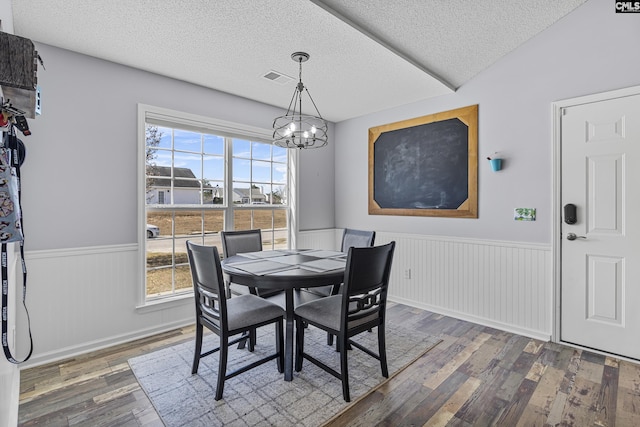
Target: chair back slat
[(362, 302), (357, 239), (237, 242), (209, 303), (208, 285)]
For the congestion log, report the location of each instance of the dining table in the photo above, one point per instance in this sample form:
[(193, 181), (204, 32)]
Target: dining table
[(289, 270)]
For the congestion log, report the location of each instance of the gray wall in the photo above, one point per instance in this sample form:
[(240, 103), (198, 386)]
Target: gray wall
[(79, 177), (591, 50)]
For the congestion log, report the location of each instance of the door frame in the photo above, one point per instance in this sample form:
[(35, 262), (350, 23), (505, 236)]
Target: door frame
[(557, 108)]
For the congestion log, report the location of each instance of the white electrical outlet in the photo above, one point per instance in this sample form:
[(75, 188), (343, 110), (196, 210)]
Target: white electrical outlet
[(407, 273)]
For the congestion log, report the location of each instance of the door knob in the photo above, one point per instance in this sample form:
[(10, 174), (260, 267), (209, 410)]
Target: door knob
[(573, 236)]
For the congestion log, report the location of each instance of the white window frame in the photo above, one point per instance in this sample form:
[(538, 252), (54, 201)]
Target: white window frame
[(173, 118)]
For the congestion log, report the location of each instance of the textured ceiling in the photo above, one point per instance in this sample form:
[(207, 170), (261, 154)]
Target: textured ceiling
[(366, 55)]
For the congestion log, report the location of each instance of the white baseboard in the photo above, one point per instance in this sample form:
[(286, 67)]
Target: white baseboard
[(474, 319)]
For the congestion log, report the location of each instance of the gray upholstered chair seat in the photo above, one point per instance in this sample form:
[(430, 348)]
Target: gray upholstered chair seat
[(326, 312), (246, 310)]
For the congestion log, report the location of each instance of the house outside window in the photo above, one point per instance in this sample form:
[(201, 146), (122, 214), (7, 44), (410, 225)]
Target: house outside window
[(199, 179)]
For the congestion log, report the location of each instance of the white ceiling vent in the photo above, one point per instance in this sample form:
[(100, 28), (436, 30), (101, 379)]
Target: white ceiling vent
[(277, 77)]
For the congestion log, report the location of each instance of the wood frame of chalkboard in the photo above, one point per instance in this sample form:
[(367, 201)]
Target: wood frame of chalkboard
[(426, 166)]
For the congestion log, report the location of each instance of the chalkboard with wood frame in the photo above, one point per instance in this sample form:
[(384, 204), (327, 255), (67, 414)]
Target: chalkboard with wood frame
[(426, 166)]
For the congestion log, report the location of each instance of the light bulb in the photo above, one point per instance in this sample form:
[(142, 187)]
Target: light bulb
[(287, 132), (292, 127), (306, 134), (313, 130)]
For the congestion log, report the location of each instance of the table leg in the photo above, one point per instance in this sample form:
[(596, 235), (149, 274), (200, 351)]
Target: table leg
[(288, 335)]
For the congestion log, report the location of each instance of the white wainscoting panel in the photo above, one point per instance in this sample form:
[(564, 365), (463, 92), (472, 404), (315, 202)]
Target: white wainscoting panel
[(505, 285), (320, 239), (84, 299)]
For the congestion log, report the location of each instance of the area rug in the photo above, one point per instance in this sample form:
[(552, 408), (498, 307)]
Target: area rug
[(261, 397)]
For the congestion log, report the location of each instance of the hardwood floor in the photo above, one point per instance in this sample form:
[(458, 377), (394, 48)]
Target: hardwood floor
[(478, 376)]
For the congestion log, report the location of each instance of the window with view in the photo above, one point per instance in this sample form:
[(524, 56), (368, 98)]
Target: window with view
[(199, 182)]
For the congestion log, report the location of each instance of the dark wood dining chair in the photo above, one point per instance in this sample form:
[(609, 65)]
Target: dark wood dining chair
[(359, 308), (238, 242), (351, 238), (228, 317)]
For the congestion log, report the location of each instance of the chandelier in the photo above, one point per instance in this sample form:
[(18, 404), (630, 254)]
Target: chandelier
[(295, 129)]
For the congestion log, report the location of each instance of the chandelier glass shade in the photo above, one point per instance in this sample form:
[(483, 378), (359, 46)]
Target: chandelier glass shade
[(295, 129)]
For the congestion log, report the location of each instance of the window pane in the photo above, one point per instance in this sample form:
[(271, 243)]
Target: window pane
[(280, 228), (184, 140), (157, 184), (164, 137), (271, 222), (186, 190), (162, 220), (279, 173), (260, 150), (262, 219), (241, 194), (260, 171), (241, 170), (160, 254), (213, 144), (279, 154), (159, 281), (188, 166), (213, 193), (188, 223), (257, 195), (162, 158), (241, 148), (279, 195), (213, 225), (213, 168), (242, 219)]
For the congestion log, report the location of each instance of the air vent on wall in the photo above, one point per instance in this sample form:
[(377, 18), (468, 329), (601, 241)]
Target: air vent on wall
[(277, 77)]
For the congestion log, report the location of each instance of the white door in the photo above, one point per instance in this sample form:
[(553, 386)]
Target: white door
[(600, 252)]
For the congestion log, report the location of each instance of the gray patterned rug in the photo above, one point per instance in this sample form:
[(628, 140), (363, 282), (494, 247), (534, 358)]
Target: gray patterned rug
[(261, 397)]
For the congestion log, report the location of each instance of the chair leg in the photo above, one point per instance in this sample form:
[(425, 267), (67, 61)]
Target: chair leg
[(222, 366), (280, 346), (329, 339), (382, 351), (338, 344), (299, 345), (252, 339), (227, 289), (198, 349), (344, 369), (242, 344)]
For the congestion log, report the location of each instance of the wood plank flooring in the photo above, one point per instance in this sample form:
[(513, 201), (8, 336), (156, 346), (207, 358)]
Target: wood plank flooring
[(478, 376)]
